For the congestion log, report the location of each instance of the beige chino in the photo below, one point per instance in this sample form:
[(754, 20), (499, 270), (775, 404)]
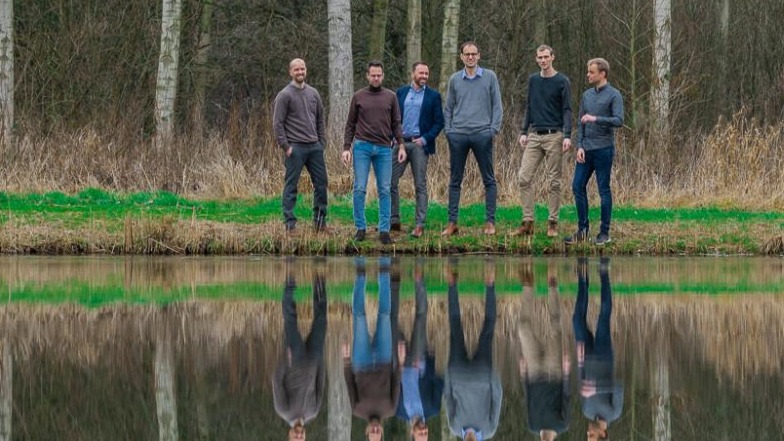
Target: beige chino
[(548, 147)]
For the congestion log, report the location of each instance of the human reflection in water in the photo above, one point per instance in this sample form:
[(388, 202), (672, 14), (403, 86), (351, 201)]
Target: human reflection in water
[(372, 379), (421, 387), (544, 366), (472, 390), (298, 382), (602, 395)]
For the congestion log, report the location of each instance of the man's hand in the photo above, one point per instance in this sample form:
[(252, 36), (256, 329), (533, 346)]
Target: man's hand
[(346, 157), (401, 154), (523, 141), (566, 363), (346, 353), (567, 144), (580, 155), (580, 354), (588, 118), (418, 141), (588, 389), (401, 353), (288, 151), (522, 365)]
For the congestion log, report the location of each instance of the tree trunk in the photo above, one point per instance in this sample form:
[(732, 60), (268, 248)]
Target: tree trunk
[(165, 399), (6, 389), (378, 32), (414, 34), (200, 63), (341, 67), (661, 399), (540, 23), (166, 87), (6, 71), (339, 406), (449, 42), (724, 29), (662, 51)]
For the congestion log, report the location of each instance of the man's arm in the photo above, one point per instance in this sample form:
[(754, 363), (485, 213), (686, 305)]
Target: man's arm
[(450, 105), (321, 130), (498, 109), (279, 114), (351, 124), (397, 125), (527, 109), (437, 118), (580, 123), (566, 108), (616, 112)]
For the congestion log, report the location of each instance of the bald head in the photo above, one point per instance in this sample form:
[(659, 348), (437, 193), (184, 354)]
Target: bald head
[(297, 71)]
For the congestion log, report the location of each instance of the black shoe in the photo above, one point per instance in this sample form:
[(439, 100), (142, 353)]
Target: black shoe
[(579, 236), (602, 238), (359, 236), (395, 226), (386, 239)]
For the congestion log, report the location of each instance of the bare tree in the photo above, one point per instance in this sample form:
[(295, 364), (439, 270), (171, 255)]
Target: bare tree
[(165, 399), (168, 60), (414, 34), (662, 51), (200, 64), (378, 32), (661, 399), (339, 410), (449, 42), (6, 70), (341, 62), (6, 389)]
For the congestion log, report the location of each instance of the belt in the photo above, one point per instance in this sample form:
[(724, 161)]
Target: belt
[(546, 131), (409, 139)]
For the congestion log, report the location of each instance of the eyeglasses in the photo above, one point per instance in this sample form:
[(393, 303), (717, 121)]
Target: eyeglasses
[(471, 54)]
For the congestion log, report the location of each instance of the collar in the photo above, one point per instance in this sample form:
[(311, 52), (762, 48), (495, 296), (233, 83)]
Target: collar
[(414, 89), (479, 436), (602, 87), (479, 72)]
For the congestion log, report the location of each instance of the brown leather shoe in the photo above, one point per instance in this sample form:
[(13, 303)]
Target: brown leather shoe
[(418, 232), (489, 229), (552, 229), (450, 230), (525, 229)]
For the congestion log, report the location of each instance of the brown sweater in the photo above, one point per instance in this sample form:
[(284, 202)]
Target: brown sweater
[(374, 117), (373, 393)]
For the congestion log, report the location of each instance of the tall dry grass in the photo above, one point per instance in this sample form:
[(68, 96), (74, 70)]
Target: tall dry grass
[(738, 163)]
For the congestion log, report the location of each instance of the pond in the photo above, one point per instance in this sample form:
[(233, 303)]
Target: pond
[(508, 348)]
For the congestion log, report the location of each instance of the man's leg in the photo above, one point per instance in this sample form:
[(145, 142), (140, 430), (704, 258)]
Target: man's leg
[(532, 155), (458, 153), (382, 341), (579, 319), (483, 152), (419, 160), (582, 173), (603, 160), (603, 336), (362, 158), (318, 329), (318, 175), (419, 334), (553, 147), (484, 349), (360, 352), (382, 167), (294, 165), (398, 169), (292, 336), (457, 347)]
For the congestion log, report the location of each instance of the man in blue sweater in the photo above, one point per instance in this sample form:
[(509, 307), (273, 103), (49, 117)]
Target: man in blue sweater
[(423, 120), (601, 111), (472, 119)]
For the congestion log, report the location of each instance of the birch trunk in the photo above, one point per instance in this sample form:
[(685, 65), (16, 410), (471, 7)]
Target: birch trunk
[(200, 63), (378, 32), (724, 29), (341, 71), (414, 34), (6, 390), (166, 87), (6, 71), (449, 43), (339, 407), (662, 51), (165, 399), (661, 408)]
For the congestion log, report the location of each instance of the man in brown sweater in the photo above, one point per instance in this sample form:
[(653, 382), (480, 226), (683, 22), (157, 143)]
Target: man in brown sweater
[(372, 127)]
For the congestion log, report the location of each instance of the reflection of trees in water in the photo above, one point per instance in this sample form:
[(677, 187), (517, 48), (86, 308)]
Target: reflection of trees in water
[(722, 356)]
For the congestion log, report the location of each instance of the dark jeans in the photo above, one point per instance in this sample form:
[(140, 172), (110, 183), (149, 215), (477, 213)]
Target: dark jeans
[(313, 347), (416, 350), (600, 345), (418, 158), (599, 161), (481, 144), (458, 354), (311, 157)]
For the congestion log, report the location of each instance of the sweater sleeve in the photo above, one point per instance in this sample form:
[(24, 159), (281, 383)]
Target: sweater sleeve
[(566, 103), (498, 109), (351, 124), (279, 114)]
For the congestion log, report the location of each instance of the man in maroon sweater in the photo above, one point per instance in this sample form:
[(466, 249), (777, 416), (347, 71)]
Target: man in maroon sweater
[(372, 126)]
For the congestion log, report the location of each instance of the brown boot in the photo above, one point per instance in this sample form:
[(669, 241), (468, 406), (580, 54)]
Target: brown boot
[(552, 228), (526, 229), (450, 230), (489, 229)]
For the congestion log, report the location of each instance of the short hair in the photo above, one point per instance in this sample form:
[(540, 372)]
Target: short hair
[(601, 64), (417, 64), (545, 47), (469, 43), (374, 63)]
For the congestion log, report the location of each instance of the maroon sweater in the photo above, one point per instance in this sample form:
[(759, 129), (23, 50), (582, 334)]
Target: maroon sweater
[(374, 117)]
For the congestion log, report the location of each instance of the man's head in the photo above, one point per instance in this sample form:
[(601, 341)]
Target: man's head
[(375, 73), (419, 430), (297, 70), (544, 57), (470, 436), (597, 430), (297, 432), (547, 435), (374, 430), (420, 74), (469, 54), (598, 70)]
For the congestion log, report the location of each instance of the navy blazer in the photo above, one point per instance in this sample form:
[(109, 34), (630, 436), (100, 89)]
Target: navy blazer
[(431, 388), (431, 116)]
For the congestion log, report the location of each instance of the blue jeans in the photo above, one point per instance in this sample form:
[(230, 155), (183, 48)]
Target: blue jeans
[(365, 355), (481, 144), (380, 157), (599, 161)]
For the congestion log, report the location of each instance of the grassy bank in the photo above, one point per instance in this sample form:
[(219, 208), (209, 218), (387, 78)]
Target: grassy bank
[(100, 222)]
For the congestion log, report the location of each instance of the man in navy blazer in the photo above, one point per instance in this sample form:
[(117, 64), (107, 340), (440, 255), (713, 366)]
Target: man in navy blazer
[(423, 120)]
